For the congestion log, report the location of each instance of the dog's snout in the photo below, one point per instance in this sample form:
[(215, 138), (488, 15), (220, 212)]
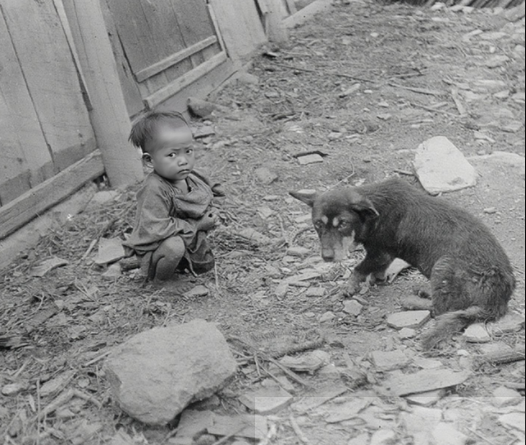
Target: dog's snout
[(328, 255)]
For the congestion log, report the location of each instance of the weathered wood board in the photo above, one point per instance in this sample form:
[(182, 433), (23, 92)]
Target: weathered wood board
[(26, 207), (24, 149), (52, 79), (240, 27)]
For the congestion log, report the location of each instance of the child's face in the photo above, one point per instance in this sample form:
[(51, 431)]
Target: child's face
[(171, 153)]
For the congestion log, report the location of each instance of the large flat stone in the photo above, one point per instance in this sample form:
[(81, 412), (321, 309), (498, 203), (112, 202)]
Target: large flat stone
[(389, 361), (266, 401), (425, 381), (411, 319), (441, 167), (445, 434), (155, 375)]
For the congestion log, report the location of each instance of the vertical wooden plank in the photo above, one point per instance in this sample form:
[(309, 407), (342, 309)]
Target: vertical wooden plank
[(132, 94), (51, 77), (20, 115), (14, 171), (240, 27), (109, 115)]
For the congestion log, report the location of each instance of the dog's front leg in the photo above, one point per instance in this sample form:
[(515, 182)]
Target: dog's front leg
[(374, 262)]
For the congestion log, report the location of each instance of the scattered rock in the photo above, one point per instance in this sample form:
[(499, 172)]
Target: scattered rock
[(477, 333), (502, 94), (253, 427), (509, 324), (489, 85), (421, 420), (512, 127), (255, 237), (441, 167), (310, 159), (412, 319), (327, 317), (497, 61), (203, 132), (515, 14), (265, 212), (427, 363), (191, 424), (54, 386), (315, 292), (266, 402), (198, 292), (425, 381), (353, 308), (346, 411), (446, 434), (407, 334), (362, 439), (514, 420), (110, 251), (506, 397), (490, 210), (13, 389), (155, 375), (310, 362), (427, 399), (389, 361), (383, 437), (247, 79), (47, 266), (493, 348), (298, 251), (395, 268), (113, 272), (265, 176), (203, 108)]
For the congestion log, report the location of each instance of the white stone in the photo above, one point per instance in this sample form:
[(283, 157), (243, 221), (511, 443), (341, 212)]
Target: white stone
[(506, 397), (353, 308), (514, 420), (407, 333), (509, 324), (411, 319), (155, 375), (327, 317), (421, 420), (266, 402), (441, 167), (383, 437), (362, 439), (445, 434), (496, 61), (389, 361), (427, 398), (477, 333)]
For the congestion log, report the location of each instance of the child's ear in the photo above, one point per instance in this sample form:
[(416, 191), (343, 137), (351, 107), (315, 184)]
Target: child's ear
[(147, 159)]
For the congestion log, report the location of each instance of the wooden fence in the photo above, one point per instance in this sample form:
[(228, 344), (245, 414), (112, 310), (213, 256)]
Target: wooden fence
[(73, 72)]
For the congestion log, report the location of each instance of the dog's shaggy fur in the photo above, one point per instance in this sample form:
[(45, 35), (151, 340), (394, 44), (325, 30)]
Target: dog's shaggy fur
[(471, 276)]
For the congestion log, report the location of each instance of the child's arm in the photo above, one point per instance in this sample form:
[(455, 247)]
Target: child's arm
[(154, 223)]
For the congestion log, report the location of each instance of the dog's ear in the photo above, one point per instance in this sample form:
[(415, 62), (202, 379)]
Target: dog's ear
[(306, 196), (365, 208)]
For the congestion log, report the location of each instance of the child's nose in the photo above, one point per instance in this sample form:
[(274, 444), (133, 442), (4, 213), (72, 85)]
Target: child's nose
[(183, 160)]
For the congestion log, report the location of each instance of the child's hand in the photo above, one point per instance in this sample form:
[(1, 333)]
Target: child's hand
[(207, 222)]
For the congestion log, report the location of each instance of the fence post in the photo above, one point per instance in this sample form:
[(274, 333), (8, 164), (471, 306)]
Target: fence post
[(274, 26), (109, 115)]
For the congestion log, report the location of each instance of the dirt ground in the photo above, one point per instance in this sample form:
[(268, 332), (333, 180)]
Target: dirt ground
[(364, 84)]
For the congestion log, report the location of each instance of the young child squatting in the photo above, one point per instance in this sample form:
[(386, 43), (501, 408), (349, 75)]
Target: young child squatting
[(175, 207)]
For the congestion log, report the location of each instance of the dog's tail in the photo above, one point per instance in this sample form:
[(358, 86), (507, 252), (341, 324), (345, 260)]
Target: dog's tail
[(453, 323)]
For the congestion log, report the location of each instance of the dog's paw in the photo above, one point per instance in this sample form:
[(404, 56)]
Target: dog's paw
[(350, 289)]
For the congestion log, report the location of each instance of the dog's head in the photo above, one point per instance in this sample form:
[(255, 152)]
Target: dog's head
[(340, 217)]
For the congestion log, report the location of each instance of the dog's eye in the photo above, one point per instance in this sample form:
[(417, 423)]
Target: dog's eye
[(344, 225), (318, 225)]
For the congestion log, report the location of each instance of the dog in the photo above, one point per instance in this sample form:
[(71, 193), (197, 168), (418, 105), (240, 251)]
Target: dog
[(470, 274)]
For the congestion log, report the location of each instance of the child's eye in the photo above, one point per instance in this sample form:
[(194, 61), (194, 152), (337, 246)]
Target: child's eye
[(189, 151)]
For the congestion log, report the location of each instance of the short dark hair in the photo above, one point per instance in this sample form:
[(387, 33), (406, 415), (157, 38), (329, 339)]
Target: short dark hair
[(144, 127)]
